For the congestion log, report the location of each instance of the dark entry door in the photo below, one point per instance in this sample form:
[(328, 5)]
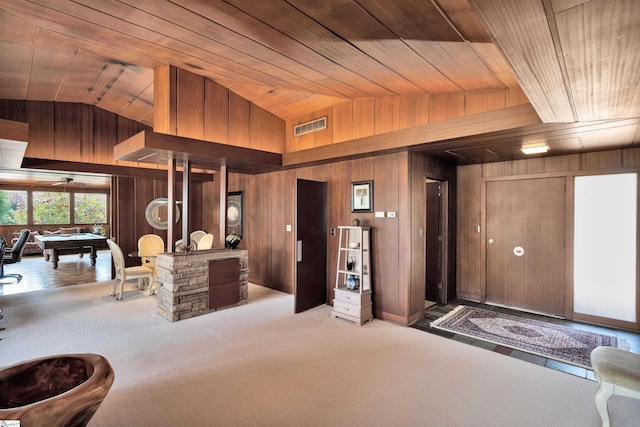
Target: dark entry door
[(311, 244), (525, 246)]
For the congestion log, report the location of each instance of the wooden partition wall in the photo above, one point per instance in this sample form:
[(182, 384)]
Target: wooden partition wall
[(193, 106), (398, 249)]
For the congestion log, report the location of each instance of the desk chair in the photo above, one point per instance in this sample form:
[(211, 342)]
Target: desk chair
[(13, 254), (123, 273)]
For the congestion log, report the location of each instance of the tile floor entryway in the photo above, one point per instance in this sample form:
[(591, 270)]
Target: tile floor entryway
[(435, 311)]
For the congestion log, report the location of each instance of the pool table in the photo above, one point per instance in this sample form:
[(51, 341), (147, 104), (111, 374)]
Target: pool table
[(62, 244)]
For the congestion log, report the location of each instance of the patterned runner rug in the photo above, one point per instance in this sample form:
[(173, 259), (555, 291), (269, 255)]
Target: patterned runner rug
[(545, 339)]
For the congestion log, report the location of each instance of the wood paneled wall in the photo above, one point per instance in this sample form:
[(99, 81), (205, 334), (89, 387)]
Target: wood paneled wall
[(470, 252), (364, 117), (71, 132), (471, 199), (398, 256), (193, 106)]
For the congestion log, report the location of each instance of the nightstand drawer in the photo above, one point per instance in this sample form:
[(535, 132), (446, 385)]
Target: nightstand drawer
[(352, 297), (353, 310)]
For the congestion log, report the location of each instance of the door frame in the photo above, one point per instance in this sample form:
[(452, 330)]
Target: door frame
[(444, 248)]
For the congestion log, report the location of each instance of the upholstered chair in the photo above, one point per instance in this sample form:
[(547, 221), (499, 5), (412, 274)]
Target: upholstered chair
[(123, 273)]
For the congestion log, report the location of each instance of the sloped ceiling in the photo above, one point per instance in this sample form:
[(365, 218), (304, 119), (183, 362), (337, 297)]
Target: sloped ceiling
[(288, 57), (576, 60)]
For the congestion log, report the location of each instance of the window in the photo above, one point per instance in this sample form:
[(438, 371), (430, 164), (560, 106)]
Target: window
[(22, 206), (90, 208), (605, 246), (13, 207), (51, 207)]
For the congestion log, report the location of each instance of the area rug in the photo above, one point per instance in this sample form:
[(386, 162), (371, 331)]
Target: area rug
[(549, 340)]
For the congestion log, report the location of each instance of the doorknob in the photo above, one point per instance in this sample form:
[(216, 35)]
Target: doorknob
[(518, 251), (490, 240)]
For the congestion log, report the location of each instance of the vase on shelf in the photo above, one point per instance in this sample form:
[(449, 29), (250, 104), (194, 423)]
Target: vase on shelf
[(353, 282), (233, 240)]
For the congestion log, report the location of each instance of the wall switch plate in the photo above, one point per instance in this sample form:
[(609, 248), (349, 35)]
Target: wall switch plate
[(391, 214), (289, 227), (380, 214)]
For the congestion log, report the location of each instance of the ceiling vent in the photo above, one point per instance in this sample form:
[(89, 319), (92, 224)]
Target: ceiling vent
[(309, 127)]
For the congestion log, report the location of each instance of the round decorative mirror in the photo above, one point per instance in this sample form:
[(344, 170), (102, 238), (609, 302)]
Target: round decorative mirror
[(157, 213), (233, 213)]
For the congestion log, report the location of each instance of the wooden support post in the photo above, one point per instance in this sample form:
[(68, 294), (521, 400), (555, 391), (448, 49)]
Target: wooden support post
[(171, 203), (224, 184), (186, 193)]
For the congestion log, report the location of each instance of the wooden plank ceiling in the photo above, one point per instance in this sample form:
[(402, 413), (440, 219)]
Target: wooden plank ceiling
[(576, 60)]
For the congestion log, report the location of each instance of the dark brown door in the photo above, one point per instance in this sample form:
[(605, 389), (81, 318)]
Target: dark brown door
[(311, 244), (525, 244), (433, 278)]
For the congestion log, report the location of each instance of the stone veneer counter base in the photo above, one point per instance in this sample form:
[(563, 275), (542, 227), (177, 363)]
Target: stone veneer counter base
[(182, 282)]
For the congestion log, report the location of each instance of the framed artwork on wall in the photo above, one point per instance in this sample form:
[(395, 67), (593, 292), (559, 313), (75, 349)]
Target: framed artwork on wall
[(235, 213), (362, 196)]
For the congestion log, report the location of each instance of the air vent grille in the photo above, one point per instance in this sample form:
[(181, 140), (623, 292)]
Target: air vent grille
[(309, 127)]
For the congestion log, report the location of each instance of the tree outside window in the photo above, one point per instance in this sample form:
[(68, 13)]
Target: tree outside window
[(51, 207), (13, 207), (90, 208)]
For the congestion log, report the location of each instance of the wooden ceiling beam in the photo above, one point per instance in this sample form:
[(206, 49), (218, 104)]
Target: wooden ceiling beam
[(507, 118), (156, 148), (14, 131), (102, 169)]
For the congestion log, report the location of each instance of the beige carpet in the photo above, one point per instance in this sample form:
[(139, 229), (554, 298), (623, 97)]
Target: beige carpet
[(260, 364)]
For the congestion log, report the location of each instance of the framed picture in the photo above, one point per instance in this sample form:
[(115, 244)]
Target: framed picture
[(362, 196), (234, 213)]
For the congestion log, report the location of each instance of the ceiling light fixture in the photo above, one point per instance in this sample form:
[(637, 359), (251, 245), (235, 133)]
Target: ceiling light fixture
[(147, 156), (535, 149)]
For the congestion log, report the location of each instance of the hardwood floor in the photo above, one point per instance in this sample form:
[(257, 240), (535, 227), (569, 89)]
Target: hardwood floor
[(39, 274), (435, 311)]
